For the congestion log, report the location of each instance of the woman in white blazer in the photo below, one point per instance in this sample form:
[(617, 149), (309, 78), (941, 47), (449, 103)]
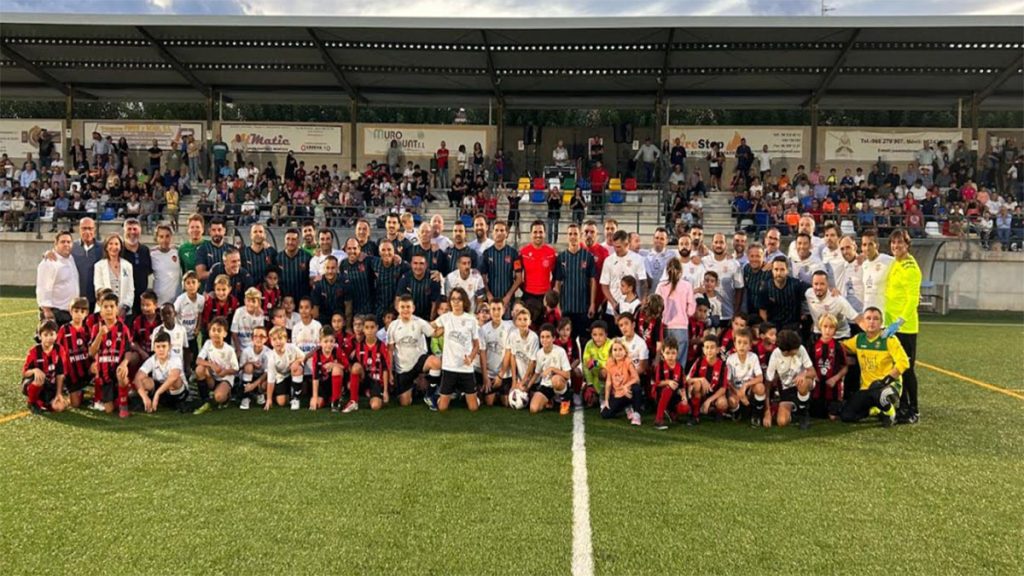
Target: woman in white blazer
[(115, 273)]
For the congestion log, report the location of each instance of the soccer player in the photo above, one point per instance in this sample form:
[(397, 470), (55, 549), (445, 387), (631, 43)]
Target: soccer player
[(388, 271), (649, 324), (259, 256), (271, 290), (882, 362), (170, 326), (146, 322), (521, 350), (782, 297), (111, 342), (874, 270), (407, 341), (670, 394), (246, 319), (747, 380), (254, 362), (707, 382), (425, 291), (493, 335), (622, 389), (730, 277), (162, 373), (44, 371), (358, 279), (595, 356), (467, 278), (638, 352), (222, 305), (902, 297), (329, 365), (566, 341), (287, 361), (73, 339), (328, 296), (617, 266), (550, 378), (629, 303), (709, 291), (371, 369), (461, 345), (293, 263), (821, 303), (306, 333), (501, 267), (830, 368), (791, 368), (216, 366), (575, 277), (189, 307)]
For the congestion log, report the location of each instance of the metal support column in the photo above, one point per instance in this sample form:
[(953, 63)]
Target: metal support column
[(976, 154), (353, 137), (814, 133), (69, 115), (501, 127)]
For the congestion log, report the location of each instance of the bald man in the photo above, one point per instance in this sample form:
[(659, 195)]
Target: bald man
[(807, 226)]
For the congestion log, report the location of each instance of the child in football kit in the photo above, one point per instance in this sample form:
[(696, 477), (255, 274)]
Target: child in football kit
[(707, 382), (622, 389), (270, 291), (371, 369), (284, 371), (595, 356), (407, 341), (73, 339), (246, 319), (521, 347), (697, 331), (162, 375), (791, 370), (189, 307), (630, 302), (550, 378), (830, 367), (253, 366), (649, 325), (747, 388), (493, 334), (726, 342), (572, 351), (222, 305), (670, 393), (216, 367), (111, 347), (169, 325), (43, 372), (329, 365), (146, 322), (461, 346)]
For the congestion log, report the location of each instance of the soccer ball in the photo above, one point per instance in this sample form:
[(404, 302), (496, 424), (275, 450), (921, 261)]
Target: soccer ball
[(517, 399)]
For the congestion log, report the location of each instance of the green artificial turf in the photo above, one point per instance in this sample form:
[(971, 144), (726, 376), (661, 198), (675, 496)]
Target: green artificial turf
[(406, 491)]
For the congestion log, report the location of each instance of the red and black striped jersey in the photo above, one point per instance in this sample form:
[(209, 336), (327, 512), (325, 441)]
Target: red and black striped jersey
[(319, 360), (271, 298), (764, 354), (696, 343), (829, 358), (142, 330), (572, 351), (92, 321), (726, 343), (214, 307), (113, 348), (668, 373), (375, 359), (74, 343), (348, 343), (651, 330), (717, 374), (51, 363)]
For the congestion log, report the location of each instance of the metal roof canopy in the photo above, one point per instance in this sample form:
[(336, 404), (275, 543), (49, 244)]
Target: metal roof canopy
[(745, 62)]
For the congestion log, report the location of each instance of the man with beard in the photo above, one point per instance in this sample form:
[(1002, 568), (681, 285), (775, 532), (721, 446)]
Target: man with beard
[(366, 246), (783, 298), (739, 247), (693, 266), (830, 252), (755, 278), (849, 274), (388, 271), (231, 266), (874, 271), (258, 256), (730, 277), (425, 291), (460, 247), (358, 281), (294, 265), (137, 254), (501, 268), (482, 242), (598, 251), (393, 234), (309, 244), (324, 249), (657, 258), (576, 283), (212, 252)]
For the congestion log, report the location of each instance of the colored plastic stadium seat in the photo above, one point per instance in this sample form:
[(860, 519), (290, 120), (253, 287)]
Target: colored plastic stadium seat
[(524, 184), (538, 196), (583, 184), (569, 183), (539, 184), (614, 185), (630, 185), (567, 195), (466, 220), (617, 197), (847, 229), (931, 229)]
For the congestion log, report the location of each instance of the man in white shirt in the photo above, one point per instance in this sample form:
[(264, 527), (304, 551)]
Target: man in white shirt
[(730, 276), (57, 281), (617, 266), (482, 242), (467, 278), (875, 270), (166, 267), (806, 263), (820, 302), (657, 258), (806, 226), (693, 266), (849, 274), (437, 230), (830, 252), (324, 249)]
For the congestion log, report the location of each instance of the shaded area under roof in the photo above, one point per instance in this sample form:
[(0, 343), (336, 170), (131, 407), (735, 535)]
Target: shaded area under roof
[(839, 62)]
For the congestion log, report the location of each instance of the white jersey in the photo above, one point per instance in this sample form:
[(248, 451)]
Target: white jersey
[(637, 349), (179, 339), (279, 366), (616, 268), (692, 273), (242, 326), (630, 307), (160, 371), (316, 262), (834, 258), (850, 282), (223, 357), (656, 262), (555, 359), (787, 368), (307, 338), (741, 371), (524, 350), (473, 285), (875, 274), (260, 360), (730, 278), (459, 334), (492, 340), (166, 275), (834, 305), (409, 341), (479, 247), (817, 245), (804, 270), (189, 312)]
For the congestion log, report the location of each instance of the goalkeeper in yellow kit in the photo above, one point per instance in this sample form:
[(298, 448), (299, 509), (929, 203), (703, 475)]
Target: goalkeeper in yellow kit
[(882, 361)]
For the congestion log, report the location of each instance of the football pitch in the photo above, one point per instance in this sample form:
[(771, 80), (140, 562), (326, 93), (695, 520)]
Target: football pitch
[(408, 491)]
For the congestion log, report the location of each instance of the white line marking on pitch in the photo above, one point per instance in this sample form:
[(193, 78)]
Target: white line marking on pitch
[(986, 324), (582, 546)]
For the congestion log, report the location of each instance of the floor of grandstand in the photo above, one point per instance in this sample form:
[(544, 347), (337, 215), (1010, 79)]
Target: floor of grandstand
[(408, 491)]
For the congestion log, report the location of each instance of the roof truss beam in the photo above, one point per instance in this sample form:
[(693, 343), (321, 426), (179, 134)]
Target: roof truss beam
[(492, 70), (169, 58), (834, 71), (350, 89), (663, 75), (43, 75), (1001, 79)]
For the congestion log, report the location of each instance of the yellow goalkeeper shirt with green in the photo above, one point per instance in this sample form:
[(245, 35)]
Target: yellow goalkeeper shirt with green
[(903, 293)]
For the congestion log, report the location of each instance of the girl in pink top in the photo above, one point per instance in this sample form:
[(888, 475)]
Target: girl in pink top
[(679, 306)]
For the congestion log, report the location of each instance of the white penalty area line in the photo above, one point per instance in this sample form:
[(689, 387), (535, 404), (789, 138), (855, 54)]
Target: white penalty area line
[(582, 545), (985, 324)]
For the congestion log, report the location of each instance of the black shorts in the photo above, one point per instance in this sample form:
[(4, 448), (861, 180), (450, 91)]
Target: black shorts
[(75, 386), (48, 394), (715, 171), (406, 381), (374, 386), (547, 391), (452, 382), (175, 400), (788, 395), (107, 391), (504, 388)]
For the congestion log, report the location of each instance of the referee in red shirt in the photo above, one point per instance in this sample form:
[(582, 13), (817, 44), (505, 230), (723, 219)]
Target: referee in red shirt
[(538, 261)]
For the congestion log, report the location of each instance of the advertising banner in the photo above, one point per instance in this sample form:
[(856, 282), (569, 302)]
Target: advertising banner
[(282, 138), (19, 137), (419, 141), (783, 142), (140, 135), (868, 145)]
